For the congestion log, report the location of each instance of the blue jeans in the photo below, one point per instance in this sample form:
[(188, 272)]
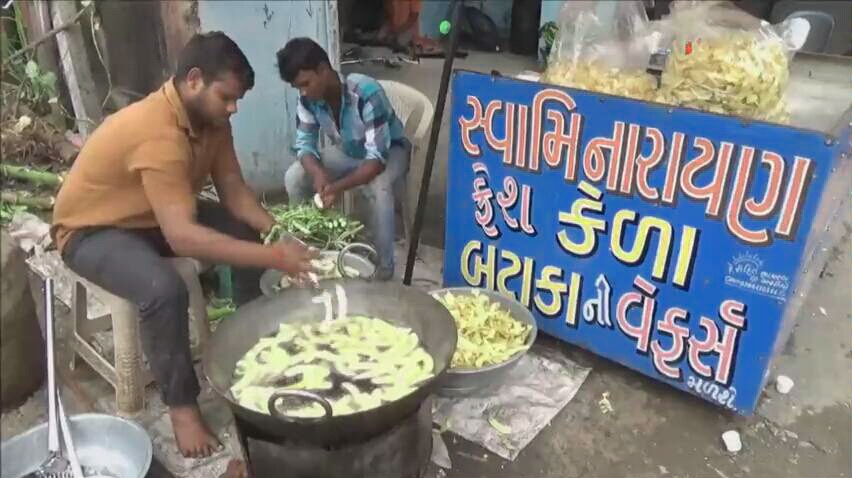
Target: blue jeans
[(380, 194)]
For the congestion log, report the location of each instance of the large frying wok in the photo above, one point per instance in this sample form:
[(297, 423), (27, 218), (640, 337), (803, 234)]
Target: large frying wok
[(398, 304)]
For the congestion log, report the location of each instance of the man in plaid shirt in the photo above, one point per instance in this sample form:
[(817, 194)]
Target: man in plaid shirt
[(368, 147)]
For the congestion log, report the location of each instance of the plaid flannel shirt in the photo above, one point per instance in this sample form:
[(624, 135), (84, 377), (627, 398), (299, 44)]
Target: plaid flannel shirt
[(368, 124)]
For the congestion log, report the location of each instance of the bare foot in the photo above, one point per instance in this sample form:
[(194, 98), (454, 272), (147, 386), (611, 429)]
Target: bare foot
[(194, 438), (236, 469)]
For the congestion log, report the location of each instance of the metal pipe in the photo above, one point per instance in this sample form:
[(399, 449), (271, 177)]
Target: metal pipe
[(53, 420), (417, 227)]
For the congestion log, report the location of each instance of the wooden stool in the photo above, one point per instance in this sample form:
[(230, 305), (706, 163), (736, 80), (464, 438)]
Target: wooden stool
[(127, 374)]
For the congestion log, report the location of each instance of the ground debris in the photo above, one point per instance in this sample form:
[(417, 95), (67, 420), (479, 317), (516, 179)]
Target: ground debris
[(732, 441), (718, 471), (440, 453), (36, 143), (33, 137), (471, 456), (783, 384), (604, 404)]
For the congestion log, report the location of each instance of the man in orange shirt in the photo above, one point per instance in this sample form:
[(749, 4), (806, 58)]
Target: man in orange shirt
[(402, 27), (129, 202)]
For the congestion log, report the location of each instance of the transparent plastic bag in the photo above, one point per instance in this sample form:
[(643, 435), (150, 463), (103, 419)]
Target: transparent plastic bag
[(604, 46), (724, 60)]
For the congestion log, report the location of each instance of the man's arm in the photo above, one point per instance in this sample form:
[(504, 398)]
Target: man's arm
[(307, 136), (163, 167), (233, 191), (363, 174)]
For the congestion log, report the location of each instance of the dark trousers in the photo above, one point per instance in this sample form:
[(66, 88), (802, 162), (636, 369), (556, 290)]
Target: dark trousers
[(132, 264)]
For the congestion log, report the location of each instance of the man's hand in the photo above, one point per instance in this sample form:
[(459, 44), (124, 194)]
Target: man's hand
[(313, 167), (321, 180), (363, 174), (293, 257), (329, 195)]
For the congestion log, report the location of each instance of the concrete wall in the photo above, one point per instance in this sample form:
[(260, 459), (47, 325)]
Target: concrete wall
[(264, 127)]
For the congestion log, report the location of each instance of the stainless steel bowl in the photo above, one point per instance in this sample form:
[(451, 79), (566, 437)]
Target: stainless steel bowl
[(106, 445), (271, 278), (461, 382)]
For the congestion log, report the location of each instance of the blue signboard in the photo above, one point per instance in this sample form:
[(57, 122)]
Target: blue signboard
[(668, 240)]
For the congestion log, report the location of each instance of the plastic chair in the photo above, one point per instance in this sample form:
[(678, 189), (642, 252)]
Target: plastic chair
[(822, 23), (406, 101), (127, 374), (822, 26)]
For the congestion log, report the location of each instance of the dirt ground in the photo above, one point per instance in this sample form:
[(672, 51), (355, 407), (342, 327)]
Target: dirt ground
[(657, 431)]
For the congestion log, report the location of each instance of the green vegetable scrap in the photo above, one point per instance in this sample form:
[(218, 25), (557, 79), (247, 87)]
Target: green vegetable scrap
[(324, 229), (487, 334), (220, 309), (357, 363), (499, 426), (8, 211)]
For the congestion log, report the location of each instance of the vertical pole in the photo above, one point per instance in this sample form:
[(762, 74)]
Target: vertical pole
[(455, 8)]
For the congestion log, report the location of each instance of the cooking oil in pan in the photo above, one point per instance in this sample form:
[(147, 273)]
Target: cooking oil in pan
[(355, 363)]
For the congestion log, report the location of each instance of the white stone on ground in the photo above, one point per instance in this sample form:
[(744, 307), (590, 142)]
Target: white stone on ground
[(732, 441), (783, 384)]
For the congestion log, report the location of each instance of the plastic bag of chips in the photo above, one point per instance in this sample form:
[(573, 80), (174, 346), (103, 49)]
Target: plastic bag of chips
[(604, 46), (723, 60)]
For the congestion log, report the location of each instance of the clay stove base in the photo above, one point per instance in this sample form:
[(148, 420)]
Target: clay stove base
[(402, 452)]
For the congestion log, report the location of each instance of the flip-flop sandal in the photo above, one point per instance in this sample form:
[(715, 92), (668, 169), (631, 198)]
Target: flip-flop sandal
[(436, 52), (429, 51)]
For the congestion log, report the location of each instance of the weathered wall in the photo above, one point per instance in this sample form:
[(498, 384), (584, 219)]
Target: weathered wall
[(136, 52), (264, 127), (179, 23), (22, 359)]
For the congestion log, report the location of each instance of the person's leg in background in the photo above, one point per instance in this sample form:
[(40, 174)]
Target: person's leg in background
[(246, 280), (132, 265), (380, 193), (300, 185)]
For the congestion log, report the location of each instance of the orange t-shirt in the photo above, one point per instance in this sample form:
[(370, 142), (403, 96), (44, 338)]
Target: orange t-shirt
[(144, 153)]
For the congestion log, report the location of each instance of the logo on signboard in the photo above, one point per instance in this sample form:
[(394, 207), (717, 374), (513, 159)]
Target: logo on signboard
[(745, 271)]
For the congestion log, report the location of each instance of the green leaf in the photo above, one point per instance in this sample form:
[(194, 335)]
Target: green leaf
[(32, 69), (48, 79)]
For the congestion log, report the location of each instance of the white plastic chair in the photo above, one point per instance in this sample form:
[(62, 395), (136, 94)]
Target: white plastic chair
[(127, 374), (406, 101)]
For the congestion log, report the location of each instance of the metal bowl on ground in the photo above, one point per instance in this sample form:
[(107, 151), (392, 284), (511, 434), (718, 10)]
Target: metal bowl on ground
[(106, 445), (460, 382), (395, 303), (271, 279)]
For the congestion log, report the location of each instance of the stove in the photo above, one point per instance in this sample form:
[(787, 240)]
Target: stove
[(402, 452)]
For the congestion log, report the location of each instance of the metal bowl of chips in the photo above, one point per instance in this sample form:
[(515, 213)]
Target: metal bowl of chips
[(465, 381)]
